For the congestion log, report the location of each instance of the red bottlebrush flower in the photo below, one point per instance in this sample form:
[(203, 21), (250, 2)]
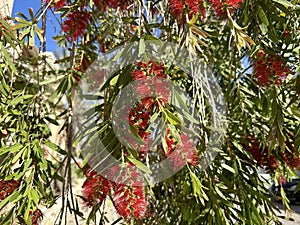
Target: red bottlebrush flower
[(143, 133), (81, 68), (90, 173), (141, 70), (95, 188), (145, 149), (281, 179), (290, 156), (161, 89), (180, 8), (234, 3), (75, 24), (57, 4), (130, 199), (180, 154), (85, 63), (176, 7), (156, 69), (151, 76), (220, 6), (7, 187), (144, 89), (138, 74), (114, 4), (36, 216), (268, 68), (100, 4), (146, 104), (286, 33), (261, 155), (139, 118), (187, 148), (272, 163)]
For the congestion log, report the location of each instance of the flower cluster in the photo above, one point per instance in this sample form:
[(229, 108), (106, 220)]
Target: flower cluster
[(139, 116), (260, 155), (221, 6), (151, 79), (130, 201), (264, 159), (181, 9), (36, 216), (270, 68), (128, 192), (57, 4), (150, 83), (95, 188), (181, 153), (7, 187), (290, 156), (142, 70), (286, 33), (114, 4), (75, 24), (80, 68)]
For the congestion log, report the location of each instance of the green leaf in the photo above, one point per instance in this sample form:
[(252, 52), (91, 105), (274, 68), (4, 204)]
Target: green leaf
[(198, 187), (52, 121), (52, 80), (262, 16), (16, 196), (284, 2), (7, 58), (4, 202), (220, 193), (7, 220), (39, 33), (19, 20), (24, 33), (17, 157), (4, 88), (297, 188), (55, 147), (114, 81), (171, 118), (60, 89), (19, 99), (154, 40), (174, 132), (32, 37), (33, 195), (142, 47), (229, 168), (11, 149), (139, 165)]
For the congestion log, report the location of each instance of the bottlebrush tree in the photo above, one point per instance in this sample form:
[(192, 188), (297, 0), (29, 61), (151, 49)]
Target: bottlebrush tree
[(150, 109)]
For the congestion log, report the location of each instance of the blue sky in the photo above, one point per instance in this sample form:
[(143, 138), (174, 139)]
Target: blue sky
[(52, 25)]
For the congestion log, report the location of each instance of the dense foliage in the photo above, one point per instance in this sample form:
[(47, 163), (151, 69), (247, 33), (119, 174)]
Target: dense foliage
[(250, 47)]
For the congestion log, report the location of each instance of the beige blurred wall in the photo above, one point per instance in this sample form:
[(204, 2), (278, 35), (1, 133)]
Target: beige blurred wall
[(6, 7)]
